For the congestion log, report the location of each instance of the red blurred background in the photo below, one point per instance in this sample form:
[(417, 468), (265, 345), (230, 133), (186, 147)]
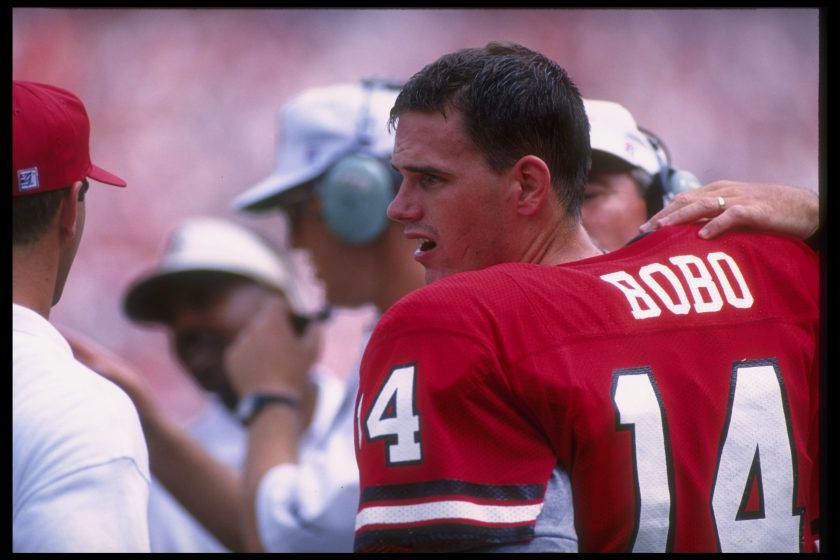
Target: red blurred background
[(182, 104)]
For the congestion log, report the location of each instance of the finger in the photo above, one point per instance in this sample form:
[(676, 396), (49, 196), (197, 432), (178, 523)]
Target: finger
[(694, 211), (676, 205), (725, 221)]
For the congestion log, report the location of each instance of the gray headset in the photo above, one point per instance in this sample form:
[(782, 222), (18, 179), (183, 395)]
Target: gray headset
[(669, 182), (356, 190)]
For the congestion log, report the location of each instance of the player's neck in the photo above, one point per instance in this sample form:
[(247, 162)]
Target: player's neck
[(562, 243), (33, 278)]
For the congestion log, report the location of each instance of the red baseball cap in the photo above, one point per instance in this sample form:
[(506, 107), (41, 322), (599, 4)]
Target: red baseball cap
[(50, 140)]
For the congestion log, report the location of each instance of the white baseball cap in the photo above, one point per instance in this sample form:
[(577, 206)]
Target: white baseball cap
[(613, 130), (318, 127), (215, 245)]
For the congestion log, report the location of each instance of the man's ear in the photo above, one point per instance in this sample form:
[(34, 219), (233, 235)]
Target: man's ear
[(68, 211), (534, 184)]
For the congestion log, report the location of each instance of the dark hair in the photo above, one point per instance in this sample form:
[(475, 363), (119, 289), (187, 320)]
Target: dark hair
[(514, 102), (32, 214)]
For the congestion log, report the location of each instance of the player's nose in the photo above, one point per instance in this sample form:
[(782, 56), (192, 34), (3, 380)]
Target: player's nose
[(404, 207)]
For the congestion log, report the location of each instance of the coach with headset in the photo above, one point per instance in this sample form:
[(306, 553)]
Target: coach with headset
[(333, 182), (633, 184), (631, 178)]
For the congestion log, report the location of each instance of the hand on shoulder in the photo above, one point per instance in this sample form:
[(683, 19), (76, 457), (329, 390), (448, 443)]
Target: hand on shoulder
[(727, 205)]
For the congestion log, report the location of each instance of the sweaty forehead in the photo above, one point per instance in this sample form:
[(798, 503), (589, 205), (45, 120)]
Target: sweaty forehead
[(430, 141)]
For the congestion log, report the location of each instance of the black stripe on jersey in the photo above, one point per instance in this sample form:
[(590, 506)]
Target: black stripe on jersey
[(441, 488), (440, 537)]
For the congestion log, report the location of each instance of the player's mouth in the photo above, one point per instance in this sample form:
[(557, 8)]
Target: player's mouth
[(425, 246)]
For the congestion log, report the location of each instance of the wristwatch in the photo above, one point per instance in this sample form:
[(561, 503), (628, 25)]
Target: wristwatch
[(251, 404)]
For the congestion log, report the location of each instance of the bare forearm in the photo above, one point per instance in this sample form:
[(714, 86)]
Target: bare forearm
[(273, 439), (207, 488), (269, 358)]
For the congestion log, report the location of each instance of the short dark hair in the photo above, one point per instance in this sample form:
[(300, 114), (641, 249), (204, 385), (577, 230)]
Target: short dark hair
[(32, 214), (514, 102)]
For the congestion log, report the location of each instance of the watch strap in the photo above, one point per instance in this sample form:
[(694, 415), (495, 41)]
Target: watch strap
[(256, 402)]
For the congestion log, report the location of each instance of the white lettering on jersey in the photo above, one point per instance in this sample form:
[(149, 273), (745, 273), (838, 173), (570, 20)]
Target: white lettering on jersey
[(647, 272), (663, 285), (641, 304), (753, 495), (746, 299), (393, 417), (699, 283)]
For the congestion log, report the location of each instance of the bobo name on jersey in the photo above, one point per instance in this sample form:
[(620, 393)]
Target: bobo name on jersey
[(712, 281)]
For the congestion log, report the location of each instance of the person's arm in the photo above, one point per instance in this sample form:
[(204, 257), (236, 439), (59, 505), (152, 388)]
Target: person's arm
[(204, 486), (267, 357), (770, 207)]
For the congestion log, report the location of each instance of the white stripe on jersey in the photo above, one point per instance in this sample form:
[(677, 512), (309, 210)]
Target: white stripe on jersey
[(443, 510)]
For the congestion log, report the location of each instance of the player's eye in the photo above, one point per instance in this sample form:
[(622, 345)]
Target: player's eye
[(428, 180)]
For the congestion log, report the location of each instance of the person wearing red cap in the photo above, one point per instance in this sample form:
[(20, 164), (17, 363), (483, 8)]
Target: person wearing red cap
[(80, 467)]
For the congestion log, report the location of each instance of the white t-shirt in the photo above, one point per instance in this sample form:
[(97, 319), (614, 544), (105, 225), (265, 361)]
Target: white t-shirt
[(80, 467), (310, 506), (172, 527)]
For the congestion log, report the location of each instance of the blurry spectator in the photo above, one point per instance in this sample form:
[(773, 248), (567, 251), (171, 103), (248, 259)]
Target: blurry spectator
[(333, 181), (213, 277), (80, 467)]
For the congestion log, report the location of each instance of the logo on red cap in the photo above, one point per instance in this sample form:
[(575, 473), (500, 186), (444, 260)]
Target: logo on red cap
[(28, 179), (50, 140)]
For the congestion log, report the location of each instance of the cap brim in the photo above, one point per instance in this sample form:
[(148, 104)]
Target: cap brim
[(617, 146), (98, 174), (270, 192), (146, 300)]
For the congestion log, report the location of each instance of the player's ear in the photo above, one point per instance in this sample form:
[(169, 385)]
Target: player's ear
[(533, 180), (68, 212)]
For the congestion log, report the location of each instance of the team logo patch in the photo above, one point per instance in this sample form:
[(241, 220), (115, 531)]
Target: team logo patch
[(28, 179)]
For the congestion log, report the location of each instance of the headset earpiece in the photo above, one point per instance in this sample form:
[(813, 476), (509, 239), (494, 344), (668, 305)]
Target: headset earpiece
[(666, 185), (354, 196), (680, 181), (669, 182), (356, 191)]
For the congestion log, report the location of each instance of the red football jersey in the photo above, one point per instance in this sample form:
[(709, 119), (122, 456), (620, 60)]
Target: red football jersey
[(675, 380)]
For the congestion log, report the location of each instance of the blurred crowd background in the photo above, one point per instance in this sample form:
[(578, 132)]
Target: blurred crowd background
[(183, 105)]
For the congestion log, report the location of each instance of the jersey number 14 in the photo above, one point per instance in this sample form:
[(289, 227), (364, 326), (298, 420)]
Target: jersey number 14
[(756, 451), (756, 457)]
